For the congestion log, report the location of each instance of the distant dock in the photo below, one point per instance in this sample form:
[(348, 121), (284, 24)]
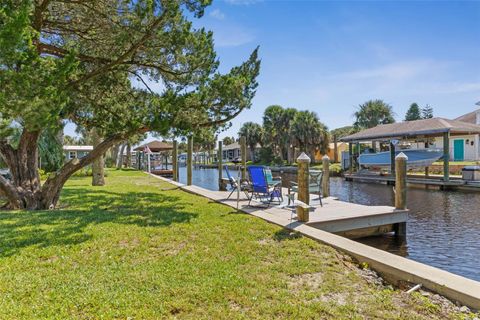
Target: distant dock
[(417, 180)]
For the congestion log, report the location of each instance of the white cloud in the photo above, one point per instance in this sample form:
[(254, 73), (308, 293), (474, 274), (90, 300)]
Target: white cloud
[(217, 14), (400, 71), (232, 36)]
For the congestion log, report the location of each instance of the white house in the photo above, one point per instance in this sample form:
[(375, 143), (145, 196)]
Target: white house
[(72, 152), (467, 147), (232, 151)]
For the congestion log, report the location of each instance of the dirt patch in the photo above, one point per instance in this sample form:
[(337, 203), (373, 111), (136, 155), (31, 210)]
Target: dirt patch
[(311, 281), (130, 243)]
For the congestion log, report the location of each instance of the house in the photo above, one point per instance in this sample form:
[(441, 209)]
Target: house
[(72, 152), (232, 151), (341, 147)]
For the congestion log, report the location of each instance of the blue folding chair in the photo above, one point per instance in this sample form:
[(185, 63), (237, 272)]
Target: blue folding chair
[(235, 185), (260, 188)]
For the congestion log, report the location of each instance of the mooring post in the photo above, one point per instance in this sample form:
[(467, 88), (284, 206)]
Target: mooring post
[(335, 148), (326, 176), (303, 212), (243, 150), (392, 159), (189, 160), (401, 190), (350, 158), (446, 156), (175, 161), (221, 186)]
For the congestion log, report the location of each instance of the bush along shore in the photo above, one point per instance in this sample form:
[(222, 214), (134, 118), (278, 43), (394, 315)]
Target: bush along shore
[(142, 248)]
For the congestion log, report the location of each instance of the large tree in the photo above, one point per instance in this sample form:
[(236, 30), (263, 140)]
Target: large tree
[(272, 121), (373, 113), (77, 60), (309, 133), (342, 131), (413, 113), (253, 133), (427, 112)]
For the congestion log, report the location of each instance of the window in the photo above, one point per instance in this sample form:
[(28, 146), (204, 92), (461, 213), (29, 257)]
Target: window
[(72, 154)]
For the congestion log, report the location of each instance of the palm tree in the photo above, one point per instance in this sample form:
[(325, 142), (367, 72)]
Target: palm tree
[(286, 121), (253, 133), (273, 117), (373, 113), (309, 133)]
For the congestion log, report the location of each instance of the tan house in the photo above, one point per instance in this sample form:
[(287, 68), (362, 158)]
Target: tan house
[(341, 147)]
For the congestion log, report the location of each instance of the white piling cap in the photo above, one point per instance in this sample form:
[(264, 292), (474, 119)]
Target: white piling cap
[(325, 157), (303, 158), (401, 155)]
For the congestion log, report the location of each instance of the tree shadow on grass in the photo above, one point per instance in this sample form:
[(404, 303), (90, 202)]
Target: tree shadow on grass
[(285, 234), (21, 229)]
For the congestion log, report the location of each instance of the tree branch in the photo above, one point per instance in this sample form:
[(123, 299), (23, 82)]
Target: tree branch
[(10, 192), (123, 57)]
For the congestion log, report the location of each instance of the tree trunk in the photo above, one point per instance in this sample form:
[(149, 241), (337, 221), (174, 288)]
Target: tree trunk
[(24, 191), (120, 157), (98, 165), (289, 154), (129, 156), (114, 152)]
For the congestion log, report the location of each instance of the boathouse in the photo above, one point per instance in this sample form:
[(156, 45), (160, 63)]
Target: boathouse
[(426, 133), (152, 155)]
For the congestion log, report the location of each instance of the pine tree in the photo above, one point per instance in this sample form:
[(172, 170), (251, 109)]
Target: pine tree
[(413, 113)]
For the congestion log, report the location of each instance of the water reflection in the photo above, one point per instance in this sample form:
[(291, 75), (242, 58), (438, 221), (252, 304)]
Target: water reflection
[(443, 228)]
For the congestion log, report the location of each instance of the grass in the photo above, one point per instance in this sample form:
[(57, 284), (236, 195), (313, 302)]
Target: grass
[(139, 248)]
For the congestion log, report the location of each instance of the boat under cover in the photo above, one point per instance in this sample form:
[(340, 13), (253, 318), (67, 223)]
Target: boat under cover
[(416, 158)]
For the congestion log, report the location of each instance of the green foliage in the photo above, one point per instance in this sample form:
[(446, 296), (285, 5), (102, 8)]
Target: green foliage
[(253, 133), (228, 140), (309, 133), (265, 155), (336, 168), (79, 67), (427, 112), (50, 150), (373, 113), (342, 131), (413, 113)]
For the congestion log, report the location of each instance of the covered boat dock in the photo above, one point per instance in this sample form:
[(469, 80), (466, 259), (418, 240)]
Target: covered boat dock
[(418, 131)]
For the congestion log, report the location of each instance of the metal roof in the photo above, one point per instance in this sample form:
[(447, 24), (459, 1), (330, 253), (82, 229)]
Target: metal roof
[(470, 117), (77, 148), (412, 129), (155, 146)]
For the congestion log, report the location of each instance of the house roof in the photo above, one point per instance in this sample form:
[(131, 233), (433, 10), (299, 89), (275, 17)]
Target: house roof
[(236, 145), (470, 117), (406, 129), (155, 146), (77, 148)]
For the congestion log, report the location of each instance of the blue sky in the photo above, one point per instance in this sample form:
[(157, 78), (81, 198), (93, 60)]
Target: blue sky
[(331, 56)]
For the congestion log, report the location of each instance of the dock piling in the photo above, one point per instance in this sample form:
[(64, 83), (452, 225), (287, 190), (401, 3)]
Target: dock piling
[(401, 181), (243, 150), (303, 211), (175, 160), (401, 191), (189, 160), (326, 176), (221, 186)]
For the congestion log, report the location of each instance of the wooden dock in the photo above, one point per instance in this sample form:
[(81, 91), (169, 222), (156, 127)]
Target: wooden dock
[(343, 218), (452, 184)]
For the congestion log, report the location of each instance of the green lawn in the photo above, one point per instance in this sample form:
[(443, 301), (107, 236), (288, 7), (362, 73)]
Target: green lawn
[(138, 248)]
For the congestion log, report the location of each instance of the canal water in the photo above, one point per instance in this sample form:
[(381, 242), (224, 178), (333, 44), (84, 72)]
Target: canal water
[(443, 227)]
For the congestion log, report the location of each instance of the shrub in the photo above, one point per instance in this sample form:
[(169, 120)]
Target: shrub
[(336, 167)]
